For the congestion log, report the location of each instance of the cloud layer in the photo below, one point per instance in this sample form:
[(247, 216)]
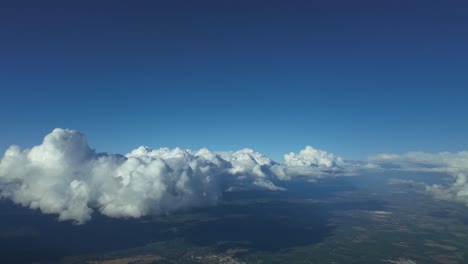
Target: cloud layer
[(453, 164), (64, 176)]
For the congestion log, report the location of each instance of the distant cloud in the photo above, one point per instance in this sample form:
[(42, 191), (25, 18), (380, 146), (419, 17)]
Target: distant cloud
[(64, 176), (311, 164), (445, 162), (410, 183), (313, 158), (453, 164)]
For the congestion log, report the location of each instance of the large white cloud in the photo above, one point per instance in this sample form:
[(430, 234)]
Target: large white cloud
[(63, 175)]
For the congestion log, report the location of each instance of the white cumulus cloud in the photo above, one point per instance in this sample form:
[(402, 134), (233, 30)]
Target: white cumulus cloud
[(314, 158), (64, 176)]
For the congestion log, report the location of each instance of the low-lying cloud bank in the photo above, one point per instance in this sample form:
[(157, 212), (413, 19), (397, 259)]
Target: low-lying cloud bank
[(64, 176), (452, 164)]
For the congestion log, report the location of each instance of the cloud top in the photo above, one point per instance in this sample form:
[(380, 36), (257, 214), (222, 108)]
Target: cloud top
[(313, 158)]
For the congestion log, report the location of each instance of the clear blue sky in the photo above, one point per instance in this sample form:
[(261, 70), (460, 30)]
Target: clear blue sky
[(351, 77)]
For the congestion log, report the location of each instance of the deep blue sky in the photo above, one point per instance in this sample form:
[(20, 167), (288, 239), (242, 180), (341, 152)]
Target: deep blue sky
[(351, 77)]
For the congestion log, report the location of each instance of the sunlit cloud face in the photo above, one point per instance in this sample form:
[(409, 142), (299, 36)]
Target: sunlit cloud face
[(64, 176), (311, 157)]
